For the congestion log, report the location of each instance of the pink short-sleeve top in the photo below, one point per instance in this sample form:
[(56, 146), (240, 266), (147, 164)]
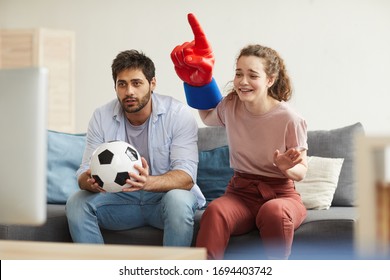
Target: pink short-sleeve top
[(253, 139)]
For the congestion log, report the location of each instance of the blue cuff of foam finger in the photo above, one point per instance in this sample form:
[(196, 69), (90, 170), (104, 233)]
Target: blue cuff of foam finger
[(203, 97)]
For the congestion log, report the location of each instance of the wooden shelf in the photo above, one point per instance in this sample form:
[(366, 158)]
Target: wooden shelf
[(54, 50)]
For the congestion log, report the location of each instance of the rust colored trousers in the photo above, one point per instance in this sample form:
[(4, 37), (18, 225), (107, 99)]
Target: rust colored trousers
[(271, 205)]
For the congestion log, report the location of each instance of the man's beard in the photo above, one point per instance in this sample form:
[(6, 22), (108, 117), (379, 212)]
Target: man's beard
[(140, 103)]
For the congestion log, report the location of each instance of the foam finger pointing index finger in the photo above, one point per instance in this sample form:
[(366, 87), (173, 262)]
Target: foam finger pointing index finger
[(200, 37)]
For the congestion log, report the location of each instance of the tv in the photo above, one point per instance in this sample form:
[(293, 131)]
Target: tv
[(23, 126)]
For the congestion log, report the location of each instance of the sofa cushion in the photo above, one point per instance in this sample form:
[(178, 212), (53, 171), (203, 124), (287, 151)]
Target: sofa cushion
[(214, 172), (319, 185), (337, 223), (55, 229), (338, 143), (64, 155)]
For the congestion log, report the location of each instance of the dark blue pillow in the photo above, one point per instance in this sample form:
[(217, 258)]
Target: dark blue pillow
[(214, 172), (64, 155)]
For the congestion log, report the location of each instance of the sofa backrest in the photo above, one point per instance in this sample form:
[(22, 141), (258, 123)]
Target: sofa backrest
[(211, 137), (65, 153), (336, 143)]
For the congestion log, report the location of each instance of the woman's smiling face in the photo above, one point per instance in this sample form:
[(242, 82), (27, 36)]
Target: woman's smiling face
[(250, 81)]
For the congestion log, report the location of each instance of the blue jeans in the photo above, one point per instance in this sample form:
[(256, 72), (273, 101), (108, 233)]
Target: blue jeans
[(172, 211)]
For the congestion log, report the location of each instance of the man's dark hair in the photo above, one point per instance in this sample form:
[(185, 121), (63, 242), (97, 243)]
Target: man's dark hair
[(133, 59)]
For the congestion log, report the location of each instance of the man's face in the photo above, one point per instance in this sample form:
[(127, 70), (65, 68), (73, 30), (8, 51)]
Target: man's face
[(133, 90)]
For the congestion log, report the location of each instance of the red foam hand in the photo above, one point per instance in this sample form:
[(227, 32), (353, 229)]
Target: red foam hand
[(194, 60)]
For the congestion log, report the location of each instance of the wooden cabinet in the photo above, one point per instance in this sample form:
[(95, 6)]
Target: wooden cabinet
[(54, 50)]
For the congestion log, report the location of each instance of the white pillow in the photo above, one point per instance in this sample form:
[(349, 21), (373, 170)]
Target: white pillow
[(319, 185)]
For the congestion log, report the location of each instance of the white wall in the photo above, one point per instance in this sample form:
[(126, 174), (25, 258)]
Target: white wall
[(337, 51)]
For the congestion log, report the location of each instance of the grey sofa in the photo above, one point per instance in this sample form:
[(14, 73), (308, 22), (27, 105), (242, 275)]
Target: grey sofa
[(325, 234)]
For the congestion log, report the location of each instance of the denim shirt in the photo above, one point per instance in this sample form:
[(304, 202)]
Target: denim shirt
[(172, 133)]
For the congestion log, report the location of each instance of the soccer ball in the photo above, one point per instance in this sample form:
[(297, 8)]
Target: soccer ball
[(111, 163)]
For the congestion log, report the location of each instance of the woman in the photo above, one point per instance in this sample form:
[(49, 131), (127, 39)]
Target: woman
[(268, 143)]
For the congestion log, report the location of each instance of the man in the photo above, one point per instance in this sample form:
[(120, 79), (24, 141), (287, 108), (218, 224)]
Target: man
[(164, 131)]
